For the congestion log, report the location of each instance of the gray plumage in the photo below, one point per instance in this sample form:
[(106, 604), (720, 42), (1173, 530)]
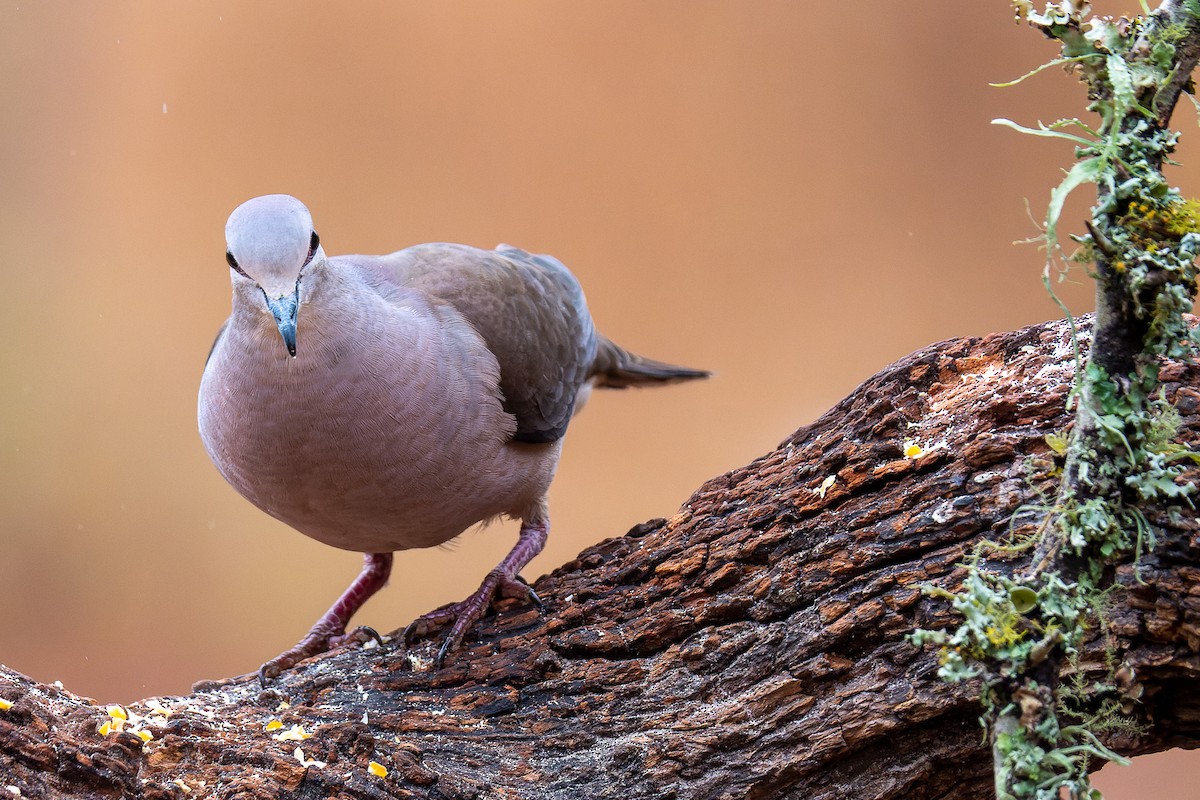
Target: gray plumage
[(380, 403)]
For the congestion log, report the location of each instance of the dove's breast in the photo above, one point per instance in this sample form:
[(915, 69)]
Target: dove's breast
[(385, 432)]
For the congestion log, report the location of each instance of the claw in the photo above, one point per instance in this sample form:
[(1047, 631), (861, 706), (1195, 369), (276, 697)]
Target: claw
[(531, 595), (370, 633), (415, 630), (270, 670), (314, 643), (443, 651)]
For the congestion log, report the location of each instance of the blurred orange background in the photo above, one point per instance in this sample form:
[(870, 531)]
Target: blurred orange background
[(791, 196)]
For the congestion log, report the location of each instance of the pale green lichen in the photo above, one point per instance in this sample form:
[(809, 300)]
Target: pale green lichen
[(1007, 623), (1121, 457)]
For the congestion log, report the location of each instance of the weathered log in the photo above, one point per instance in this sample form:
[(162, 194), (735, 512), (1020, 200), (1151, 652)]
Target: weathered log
[(752, 646)]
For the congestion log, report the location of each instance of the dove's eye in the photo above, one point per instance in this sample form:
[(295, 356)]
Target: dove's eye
[(233, 263), (313, 244)]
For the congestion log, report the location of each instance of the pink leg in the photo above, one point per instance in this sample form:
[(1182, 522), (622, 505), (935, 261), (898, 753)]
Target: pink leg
[(330, 630), (503, 581)]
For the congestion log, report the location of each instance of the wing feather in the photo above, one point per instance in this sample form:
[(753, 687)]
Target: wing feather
[(528, 309)]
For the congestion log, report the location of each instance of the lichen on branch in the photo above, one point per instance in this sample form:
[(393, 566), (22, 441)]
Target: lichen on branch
[(1120, 458)]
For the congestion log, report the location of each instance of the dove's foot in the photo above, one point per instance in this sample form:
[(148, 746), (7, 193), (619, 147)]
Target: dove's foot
[(315, 643), (503, 581), (330, 631), (466, 613)]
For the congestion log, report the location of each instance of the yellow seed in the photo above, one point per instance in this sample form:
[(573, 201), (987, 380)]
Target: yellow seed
[(116, 712), (296, 733), (274, 725), (377, 769), (144, 735), (913, 450), (105, 729), (5, 705)]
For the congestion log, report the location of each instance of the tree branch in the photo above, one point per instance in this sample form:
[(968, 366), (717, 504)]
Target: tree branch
[(753, 645), (1187, 55)]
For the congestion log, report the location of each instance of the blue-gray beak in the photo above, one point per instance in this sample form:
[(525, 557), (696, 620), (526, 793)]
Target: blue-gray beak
[(284, 309)]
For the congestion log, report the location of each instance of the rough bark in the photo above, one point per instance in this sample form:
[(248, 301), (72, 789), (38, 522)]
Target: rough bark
[(752, 646)]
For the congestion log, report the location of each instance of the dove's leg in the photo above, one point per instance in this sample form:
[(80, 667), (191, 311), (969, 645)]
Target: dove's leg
[(502, 581), (330, 630)]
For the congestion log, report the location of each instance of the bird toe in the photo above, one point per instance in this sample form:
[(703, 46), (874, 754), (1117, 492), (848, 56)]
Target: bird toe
[(465, 613)]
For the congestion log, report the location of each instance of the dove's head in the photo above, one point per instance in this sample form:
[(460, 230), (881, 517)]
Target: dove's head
[(270, 244)]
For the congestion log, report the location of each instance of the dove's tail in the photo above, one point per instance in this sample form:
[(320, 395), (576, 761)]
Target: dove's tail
[(616, 368)]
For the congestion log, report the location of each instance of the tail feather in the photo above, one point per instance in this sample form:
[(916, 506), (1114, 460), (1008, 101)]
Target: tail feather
[(616, 368)]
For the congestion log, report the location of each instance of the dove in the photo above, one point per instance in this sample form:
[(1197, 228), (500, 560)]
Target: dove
[(390, 402)]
